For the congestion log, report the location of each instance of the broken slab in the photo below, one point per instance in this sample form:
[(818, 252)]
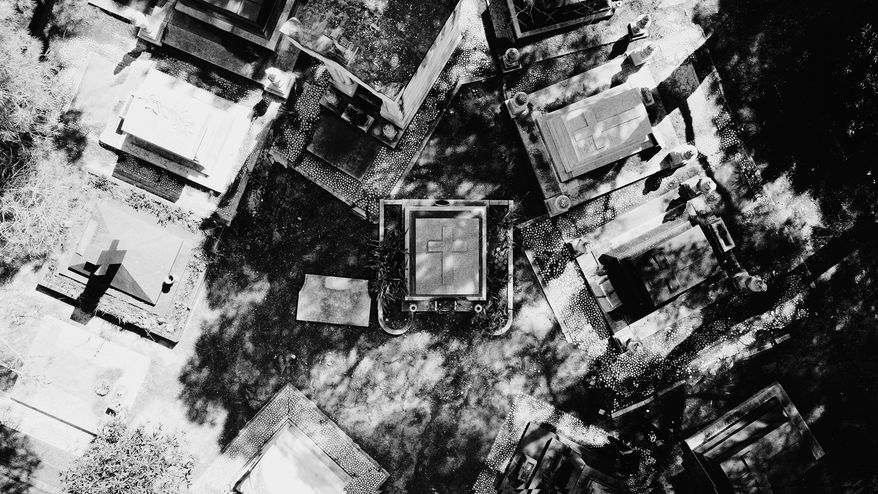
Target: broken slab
[(334, 300)]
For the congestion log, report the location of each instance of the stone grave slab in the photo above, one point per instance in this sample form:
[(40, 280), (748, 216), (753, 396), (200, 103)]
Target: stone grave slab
[(446, 246), (151, 253), (596, 131), (334, 300), (181, 128), (64, 369), (167, 118)]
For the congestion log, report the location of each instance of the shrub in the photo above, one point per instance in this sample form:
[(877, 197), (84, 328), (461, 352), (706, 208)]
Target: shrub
[(37, 208), (388, 264), (29, 100), (123, 460)]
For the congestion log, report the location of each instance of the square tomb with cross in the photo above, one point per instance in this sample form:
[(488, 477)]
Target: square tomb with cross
[(446, 251)]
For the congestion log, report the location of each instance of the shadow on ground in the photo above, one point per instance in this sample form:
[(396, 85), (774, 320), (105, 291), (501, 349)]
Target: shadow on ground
[(17, 462), (425, 405)]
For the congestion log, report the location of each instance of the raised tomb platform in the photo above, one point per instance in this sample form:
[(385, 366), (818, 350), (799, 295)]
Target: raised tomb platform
[(183, 129), (593, 133)]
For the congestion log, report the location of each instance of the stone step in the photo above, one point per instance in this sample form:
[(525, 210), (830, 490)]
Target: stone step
[(210, 44), (43, 427), (150, 178)]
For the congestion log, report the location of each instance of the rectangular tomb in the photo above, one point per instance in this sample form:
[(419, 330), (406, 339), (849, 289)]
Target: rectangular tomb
[(446, 252), (596, 131)]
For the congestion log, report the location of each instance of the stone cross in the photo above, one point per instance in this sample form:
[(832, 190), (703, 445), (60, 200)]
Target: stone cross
[(447, 246), (109, 257)]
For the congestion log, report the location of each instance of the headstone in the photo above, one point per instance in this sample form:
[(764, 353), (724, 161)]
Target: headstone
[(334, 300)]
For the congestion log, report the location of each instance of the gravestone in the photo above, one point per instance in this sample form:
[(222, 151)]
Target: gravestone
[(334, 300), (446, 250), (596, 131)]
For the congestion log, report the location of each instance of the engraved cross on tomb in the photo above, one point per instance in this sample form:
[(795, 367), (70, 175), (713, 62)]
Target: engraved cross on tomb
[(446, 247)]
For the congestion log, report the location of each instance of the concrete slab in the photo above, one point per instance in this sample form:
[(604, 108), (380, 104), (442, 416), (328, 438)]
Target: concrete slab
[(334, 300), (69, 380), (223, 144)]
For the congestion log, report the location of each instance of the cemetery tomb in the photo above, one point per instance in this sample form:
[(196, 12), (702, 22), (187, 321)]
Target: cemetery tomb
[(181, 128), (596, 131), (138, 255), (186, 124), (446, 252), (382, 57), (762, 445), (291, 447), (74, 378), (544, 459), (655, 267)]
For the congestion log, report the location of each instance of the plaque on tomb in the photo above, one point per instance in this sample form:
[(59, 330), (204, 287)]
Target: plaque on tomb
[(596, 131), (446, 246)]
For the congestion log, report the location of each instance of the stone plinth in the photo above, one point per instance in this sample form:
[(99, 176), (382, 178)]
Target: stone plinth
[(81, 376)]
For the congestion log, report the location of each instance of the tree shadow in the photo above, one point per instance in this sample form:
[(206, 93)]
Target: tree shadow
[(474, 153), (424, 405), (71, 138), (797, 76), (17, 462)]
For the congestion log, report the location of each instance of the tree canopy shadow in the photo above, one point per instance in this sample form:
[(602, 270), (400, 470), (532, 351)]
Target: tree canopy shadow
[(800, 78), (17, 462)]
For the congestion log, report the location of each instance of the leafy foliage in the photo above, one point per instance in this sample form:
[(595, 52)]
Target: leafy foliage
[(17, 462), (29, 100), (39, 193), (66, 17), (388, 264), (123, 460)]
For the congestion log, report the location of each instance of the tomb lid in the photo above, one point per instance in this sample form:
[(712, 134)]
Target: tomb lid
[(144, 252), (447, 252), (163, 113), (596, 131), (664, 262)]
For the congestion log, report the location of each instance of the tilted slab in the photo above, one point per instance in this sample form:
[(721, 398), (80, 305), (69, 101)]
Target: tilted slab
[(334, 300)]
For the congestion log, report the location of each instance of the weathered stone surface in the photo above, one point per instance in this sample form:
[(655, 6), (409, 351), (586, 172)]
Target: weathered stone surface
[(334, 300), (63, 369), (151, 253)]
